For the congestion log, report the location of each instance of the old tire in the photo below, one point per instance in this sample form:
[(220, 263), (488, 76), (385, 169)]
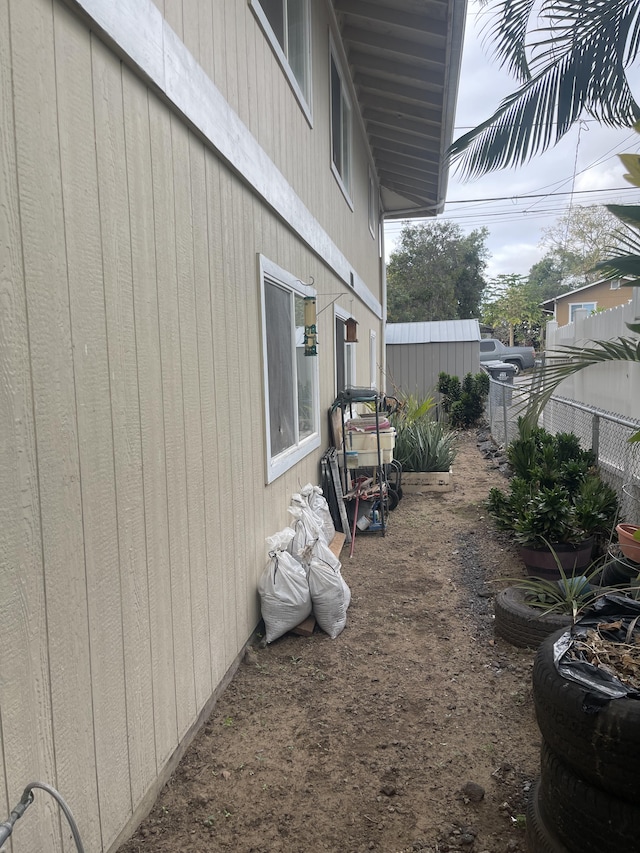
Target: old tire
[(583, 817), (603, 747), (522, 625), (540, 839)]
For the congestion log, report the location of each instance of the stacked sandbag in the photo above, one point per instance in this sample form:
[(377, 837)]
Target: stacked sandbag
[(285, 599), (319, 506)]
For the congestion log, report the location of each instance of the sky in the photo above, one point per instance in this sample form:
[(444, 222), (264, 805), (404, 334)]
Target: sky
[(585, 160)]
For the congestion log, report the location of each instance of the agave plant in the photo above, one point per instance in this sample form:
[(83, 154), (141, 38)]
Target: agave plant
[(424, 445)]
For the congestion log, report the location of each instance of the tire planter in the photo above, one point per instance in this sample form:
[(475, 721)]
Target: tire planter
[(603, 748), (522, 625), (541, 563), (540, 839), (581, 816)]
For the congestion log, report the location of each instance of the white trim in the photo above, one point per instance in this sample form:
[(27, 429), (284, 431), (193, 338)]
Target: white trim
[(345, 187), (373, 359), (304, 99), (372, 202), (144, 40), (277, 465)]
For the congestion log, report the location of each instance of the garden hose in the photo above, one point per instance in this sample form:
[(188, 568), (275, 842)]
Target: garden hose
[(27, 798)]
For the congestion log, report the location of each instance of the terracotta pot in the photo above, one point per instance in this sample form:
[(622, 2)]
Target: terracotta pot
[(540, 562), (629, 546)]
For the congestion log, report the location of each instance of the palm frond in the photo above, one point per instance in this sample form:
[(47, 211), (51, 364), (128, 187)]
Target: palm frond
[(577, 66), (507, 29), (564, 361)]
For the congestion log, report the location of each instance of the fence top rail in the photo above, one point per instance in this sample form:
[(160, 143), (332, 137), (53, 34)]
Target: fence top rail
[(601, 413)]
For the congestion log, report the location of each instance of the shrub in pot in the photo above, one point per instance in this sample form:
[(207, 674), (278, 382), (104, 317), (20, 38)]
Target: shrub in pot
[(557, 499)]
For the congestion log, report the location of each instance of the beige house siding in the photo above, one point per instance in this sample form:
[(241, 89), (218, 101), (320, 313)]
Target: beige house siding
[(600, 293), (132, 496)]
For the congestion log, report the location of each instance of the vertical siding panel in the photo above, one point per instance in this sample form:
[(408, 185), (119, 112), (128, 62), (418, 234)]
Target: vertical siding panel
[(173, 15), (191, 27), (205, 30), (242, 62), (227, 437), (56, 436), (203, 251), (145, 300), (97, 479), (121, 342), (192, 415), (219, 46), (26, 739), (173, 405), (234, 285)]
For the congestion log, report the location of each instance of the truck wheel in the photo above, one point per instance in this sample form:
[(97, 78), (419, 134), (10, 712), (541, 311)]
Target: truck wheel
[(517, 367)]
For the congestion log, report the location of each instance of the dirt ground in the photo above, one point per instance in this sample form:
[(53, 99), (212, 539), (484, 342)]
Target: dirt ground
[(370, 741)]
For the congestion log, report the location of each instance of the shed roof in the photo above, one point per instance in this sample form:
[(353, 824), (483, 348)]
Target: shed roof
[(437, 331), (404, 57)]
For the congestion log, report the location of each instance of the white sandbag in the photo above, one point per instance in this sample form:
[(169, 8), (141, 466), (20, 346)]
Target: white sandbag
[(319, 506), (328, 597), (285, 599), (326, 555), (307, 529)]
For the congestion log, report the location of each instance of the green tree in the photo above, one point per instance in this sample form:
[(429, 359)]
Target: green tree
[(569, 58), (545, 278), (436, 273), (580, 239), (512, 308)]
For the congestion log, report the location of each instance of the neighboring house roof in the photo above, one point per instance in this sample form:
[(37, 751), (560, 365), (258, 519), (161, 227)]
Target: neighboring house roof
[(548, 305), (405, 59), (437, 331)]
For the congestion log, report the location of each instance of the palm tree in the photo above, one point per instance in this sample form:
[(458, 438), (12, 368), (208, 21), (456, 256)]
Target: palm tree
[(570, 58)]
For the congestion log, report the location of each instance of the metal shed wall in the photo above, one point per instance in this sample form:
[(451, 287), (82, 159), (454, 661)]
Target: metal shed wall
[(414, 368)]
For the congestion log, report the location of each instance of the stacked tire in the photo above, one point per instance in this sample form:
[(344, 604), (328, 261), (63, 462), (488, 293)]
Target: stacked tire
[(587, 799)]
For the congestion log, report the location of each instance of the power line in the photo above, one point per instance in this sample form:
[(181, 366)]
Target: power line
[(537, 195)]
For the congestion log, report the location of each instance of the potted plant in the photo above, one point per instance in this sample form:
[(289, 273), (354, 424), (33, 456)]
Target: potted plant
[(424, 446), (629, 539), (532, 608), (557, 507)]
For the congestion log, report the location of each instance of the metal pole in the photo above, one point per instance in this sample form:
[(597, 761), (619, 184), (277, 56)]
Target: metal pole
[(595, 436), (504, 410)]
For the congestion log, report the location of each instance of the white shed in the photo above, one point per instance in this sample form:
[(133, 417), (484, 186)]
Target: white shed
[(418, 352)]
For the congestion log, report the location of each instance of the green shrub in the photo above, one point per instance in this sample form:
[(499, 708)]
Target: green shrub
[(463, 401)]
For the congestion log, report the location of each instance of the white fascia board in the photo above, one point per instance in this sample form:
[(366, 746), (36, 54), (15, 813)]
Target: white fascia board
[(149, 45)]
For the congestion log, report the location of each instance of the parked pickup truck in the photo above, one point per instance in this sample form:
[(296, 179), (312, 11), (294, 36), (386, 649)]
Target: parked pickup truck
[(520, 357)]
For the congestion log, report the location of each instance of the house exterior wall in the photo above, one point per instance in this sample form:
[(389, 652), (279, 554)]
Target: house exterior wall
[(414, 368), (601, 293), (132, 485)]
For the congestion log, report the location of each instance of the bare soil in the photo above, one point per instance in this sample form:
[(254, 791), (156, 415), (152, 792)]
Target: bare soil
[(369, 741)]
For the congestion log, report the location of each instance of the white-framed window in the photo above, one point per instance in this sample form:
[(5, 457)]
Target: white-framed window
[(341, 127), (590, 307), (614, 284), (286, 23), (292, 399), (373, 359), (373, 204), (345, 352)]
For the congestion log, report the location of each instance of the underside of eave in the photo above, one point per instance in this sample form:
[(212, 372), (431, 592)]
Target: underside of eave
[(404, 59)]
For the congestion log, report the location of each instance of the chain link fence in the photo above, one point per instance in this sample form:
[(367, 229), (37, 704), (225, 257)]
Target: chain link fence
[(606, 433)]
